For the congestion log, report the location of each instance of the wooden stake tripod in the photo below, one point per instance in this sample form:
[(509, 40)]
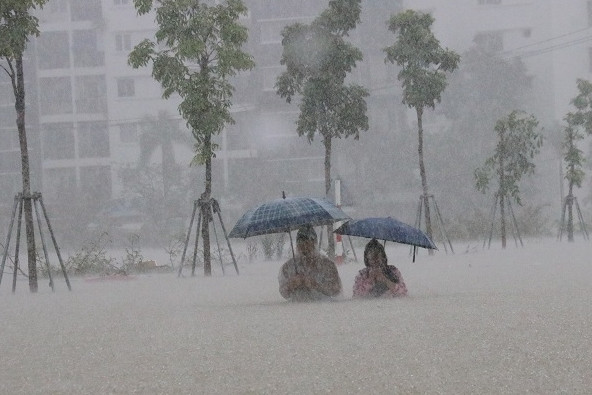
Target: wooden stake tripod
[(19, 206), (420, 207), (205, 209), (515, 231), (570, 199)]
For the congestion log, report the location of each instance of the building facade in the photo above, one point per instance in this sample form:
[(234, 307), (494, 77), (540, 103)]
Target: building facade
[(86, 125)]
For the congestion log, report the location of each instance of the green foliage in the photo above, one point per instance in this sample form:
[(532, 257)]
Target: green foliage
[(578, 123), (133, 254), (317, 59), (483, 89), (518, 143), (472, 226), (92, 258), (279, 245), (574, 157), (267, 245), (164, 212), (175, 246), (161, 132), (17, 25), (202, 50), (272, 245), (424, 63), (582, 117), (252, 250)]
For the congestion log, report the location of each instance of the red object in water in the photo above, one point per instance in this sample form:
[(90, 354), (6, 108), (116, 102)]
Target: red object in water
[(116, 277)]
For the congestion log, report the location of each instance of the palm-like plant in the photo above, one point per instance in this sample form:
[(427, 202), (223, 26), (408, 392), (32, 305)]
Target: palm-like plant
[(161, 132)]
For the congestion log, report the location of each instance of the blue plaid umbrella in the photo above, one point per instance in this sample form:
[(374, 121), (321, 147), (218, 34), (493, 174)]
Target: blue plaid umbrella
[(386, 228), (284, 215)]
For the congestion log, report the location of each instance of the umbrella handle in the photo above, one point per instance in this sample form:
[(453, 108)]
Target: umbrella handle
[(291, 244)]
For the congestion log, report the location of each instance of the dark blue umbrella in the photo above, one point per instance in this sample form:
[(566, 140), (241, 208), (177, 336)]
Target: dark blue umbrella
[(386, 228), (286, 214)]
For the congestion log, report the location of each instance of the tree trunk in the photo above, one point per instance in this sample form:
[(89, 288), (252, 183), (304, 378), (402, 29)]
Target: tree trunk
[(422, 173), (502, 198), (168, 162), (330, 236), (25, 172), (569, 202), (206, 209)]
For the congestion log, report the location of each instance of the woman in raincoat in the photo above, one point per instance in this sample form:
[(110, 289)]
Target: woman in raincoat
[(378, 278)]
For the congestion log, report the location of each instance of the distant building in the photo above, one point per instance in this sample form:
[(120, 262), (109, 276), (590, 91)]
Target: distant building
[(552, 37), (90, 102)]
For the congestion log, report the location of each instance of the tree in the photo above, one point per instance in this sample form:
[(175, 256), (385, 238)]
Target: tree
[(483, 89), (318, 59), (16, 26), (163, 200), (518, 143), (424, 64), (578, 122), (202, 50), (161, 132)]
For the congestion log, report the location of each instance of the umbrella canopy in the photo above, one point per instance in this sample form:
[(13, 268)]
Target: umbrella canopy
[(286, 214), (386, 228)]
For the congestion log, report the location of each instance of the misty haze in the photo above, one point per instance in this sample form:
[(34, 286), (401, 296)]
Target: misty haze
[(490, 157)]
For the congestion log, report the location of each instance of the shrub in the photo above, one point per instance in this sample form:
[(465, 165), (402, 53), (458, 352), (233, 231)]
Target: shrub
[(267, 243), (92, 258)]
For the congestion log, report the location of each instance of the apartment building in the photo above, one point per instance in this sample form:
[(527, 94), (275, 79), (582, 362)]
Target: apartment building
[(91, 102), (73, 103), (552, 37)]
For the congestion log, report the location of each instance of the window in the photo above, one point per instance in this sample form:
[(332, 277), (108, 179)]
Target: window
[(91, 97), (128, 133), (93, 140), (86, 10), (59, 182), (126, 87), (58, 141), (95, 182), (491, 41), (121, 2), (53, 50), (55, 95), (11, 184), (6, 95), (56, 6), (55, 11), (7, 117), (9, 139), (234, 138), (123, 42), (287, 9), (85, 49), (10, 161)]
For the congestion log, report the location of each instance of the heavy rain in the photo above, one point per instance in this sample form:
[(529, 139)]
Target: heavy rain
[(156, 172)]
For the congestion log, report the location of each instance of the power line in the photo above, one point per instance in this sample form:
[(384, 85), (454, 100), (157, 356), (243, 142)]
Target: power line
[(545, 41), (554, 47)]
